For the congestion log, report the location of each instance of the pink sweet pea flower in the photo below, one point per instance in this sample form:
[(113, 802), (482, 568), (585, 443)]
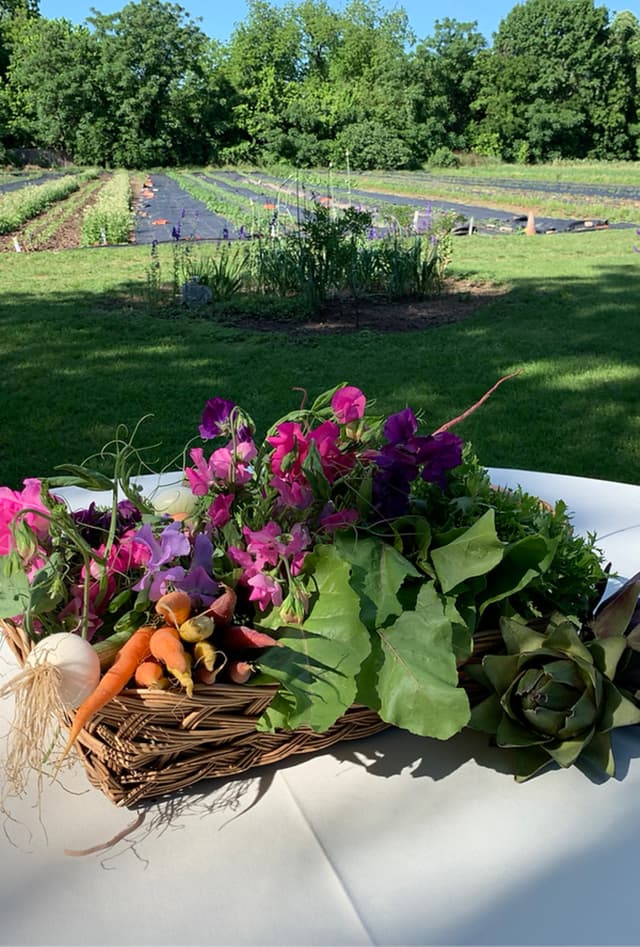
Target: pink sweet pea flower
[(232, 466), (332, 519), (265, 590), (220, 510), (11, 503), (334, 461), (290, 450), (295, 494), (200, 477), (265, 543), (348, 404)]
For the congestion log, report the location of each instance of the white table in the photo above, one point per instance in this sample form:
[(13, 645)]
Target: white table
[(392, 840)]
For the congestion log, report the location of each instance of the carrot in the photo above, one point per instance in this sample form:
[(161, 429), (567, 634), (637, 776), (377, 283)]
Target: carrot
[(167, 647), (151, 674), (204, 654), (130, 655), (197, 628), (174, 607)]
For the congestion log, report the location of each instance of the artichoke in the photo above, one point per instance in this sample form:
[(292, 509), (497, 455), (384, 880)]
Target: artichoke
[(553, 697)]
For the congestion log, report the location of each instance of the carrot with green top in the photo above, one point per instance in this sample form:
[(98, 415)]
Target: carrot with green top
[(132, 653)]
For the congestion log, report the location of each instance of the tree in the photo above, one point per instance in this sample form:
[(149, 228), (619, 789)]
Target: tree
[(147, 53), (538, 84), (51, 86), (445, 68)]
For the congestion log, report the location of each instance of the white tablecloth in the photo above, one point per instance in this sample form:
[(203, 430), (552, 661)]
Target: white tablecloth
[(395, 839)]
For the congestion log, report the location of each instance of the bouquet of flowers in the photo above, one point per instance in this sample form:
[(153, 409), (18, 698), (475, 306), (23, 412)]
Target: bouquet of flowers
[(347, 559)]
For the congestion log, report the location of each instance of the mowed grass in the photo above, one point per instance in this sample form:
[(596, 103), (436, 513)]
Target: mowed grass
[(80, 354)]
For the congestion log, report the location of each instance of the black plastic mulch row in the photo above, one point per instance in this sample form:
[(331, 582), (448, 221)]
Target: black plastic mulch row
[(166, 212)]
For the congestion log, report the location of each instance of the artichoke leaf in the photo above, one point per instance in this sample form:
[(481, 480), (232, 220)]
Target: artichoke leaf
[(606, 653), (510, 733), (618, 711), (612, 617), (518, 637), (528, 761), (598, 753), (500, 669), (486, 715), (566, 752)]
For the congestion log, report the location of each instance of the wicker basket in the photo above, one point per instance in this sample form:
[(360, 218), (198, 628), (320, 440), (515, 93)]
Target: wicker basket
[(147, 743)]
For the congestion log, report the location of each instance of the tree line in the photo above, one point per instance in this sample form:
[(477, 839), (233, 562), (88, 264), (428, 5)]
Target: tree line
[(308, 85)]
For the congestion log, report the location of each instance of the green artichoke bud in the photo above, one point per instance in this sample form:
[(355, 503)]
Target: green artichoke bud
[(553, 697)]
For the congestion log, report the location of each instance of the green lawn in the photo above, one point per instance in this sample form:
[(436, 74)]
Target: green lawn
[(78, 358)]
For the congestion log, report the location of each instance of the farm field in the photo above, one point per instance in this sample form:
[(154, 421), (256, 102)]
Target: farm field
[(207, 204)]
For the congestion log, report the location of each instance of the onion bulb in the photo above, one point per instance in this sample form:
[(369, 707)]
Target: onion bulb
[(174, 501), (58, 674), (75, 659)]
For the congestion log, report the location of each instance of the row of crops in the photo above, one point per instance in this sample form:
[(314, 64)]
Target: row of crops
[(40, 208)]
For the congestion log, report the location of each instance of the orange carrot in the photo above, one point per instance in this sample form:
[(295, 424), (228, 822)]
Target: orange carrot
[(174, 607), (130, 655), (167, 647), (151, 674)]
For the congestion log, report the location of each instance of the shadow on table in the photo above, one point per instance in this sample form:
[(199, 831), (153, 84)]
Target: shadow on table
[(390, 753)]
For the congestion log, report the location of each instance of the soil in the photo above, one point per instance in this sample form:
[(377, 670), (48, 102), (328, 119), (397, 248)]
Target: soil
[(459, 300)]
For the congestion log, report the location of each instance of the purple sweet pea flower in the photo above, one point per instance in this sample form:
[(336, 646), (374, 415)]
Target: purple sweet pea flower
[(215, 418), (171, 545)]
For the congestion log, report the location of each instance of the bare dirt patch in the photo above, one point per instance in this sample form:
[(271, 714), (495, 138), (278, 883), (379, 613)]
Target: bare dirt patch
[(459, 300)]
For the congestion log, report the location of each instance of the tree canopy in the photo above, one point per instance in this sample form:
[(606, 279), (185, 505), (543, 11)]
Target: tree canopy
[(308, 84)]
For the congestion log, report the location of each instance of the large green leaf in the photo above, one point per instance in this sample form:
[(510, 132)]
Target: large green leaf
[(474, 552), (523, 561), (378, 572), (14, 588), (417, 680), (318, 662)]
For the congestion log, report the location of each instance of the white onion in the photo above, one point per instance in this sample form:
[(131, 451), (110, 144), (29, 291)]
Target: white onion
[(174, 500), (78, 663)]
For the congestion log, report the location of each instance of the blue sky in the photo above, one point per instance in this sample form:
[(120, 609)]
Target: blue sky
[(219, 18)]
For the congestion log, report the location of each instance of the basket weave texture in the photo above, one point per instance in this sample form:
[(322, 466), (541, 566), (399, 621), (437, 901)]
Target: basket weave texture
[(147, 743)]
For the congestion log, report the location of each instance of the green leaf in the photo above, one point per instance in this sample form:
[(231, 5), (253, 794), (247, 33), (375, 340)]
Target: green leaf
[(418, 678), (79, 476), (475, 552), (519, 638), (47, 588), (14, 588), (568, 751), (378, 572), (501, 670), (523, 562), (318, 662)]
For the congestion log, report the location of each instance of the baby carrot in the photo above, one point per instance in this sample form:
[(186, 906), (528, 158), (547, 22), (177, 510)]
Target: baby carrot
[(150, 674), (167, 647), (174, 607), (130, 655)]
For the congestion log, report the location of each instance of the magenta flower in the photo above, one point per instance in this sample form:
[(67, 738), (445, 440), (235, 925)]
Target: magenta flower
[(295, 494), (219, 512), (201, 476), (11, 503), (334, 462), (290, 450), (332, 519), (348, 404)]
